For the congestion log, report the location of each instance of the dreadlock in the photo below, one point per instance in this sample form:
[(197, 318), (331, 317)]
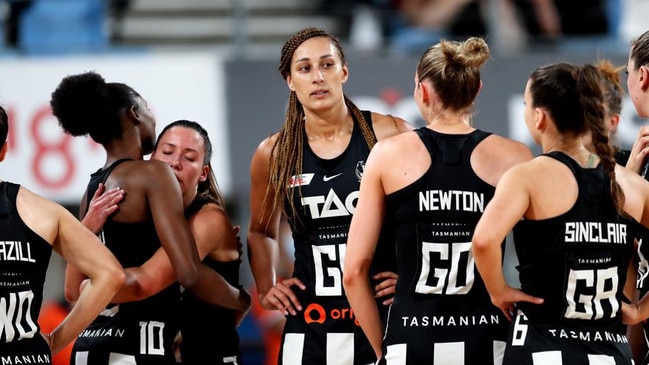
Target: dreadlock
[(285, 163)]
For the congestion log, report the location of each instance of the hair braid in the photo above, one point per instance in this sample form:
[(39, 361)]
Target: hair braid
[(286, 160), (286, 154), (369, 136), (591, 98)]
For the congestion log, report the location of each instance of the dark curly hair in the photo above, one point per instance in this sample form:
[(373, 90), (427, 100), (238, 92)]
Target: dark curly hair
[(87, 104)]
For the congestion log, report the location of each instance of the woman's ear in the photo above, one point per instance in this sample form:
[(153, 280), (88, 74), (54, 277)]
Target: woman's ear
[(289, 82), (425, 92), (613, 121), (204, 173), (643, 80), (540, 119), (134, 114)]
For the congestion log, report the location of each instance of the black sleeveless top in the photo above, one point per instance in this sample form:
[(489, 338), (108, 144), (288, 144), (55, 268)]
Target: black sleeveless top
[(434, 219), (146, 328), (577, 261), (133, 244), (325, 197), (208, 331), (440, 296), (24, 258), (329, 189)]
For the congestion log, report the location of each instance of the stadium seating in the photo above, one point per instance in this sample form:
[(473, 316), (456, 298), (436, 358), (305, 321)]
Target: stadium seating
[(63, 26)]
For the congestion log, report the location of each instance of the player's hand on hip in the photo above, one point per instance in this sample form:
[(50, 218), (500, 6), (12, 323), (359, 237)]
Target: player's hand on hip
[(282, 297), (386, 287), (508, 297)]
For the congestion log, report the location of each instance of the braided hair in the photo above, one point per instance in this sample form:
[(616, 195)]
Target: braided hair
[(286, 155), (575, 99)]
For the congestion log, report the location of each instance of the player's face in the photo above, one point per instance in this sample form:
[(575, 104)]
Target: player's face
[(184, 150), (317, 74)]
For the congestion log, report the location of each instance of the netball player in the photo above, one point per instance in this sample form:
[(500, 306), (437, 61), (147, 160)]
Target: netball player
[(31, 227), (432, 185), (310, 171), (638, 88), (575, 243), (150, 216), (186, 147)]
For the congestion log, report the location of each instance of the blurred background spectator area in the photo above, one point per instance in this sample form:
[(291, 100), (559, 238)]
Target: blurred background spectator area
[(38, 26), (253, 26)]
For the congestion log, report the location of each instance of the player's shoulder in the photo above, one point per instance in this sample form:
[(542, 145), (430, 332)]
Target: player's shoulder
[(265, 147), (387, 125), (506, 148), (507, 143)]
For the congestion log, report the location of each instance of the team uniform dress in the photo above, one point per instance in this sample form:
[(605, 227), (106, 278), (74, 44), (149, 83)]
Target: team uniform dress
[(24, 258), (642, 279), (442, 312), (577, 262), (642, 260), (622, 156), (140, 332), (209, 334), (325, 332)]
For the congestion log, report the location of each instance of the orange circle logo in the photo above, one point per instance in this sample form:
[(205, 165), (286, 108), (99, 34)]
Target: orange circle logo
[(314, 307)]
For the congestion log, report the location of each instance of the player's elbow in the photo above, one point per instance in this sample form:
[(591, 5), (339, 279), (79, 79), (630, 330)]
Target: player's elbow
[(354, 275), (71, 294), (479, 243), (139, 286), (188, 278), (116, 278)]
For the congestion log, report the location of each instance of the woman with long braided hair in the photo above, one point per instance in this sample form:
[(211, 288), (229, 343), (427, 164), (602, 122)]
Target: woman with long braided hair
[(310, 171)]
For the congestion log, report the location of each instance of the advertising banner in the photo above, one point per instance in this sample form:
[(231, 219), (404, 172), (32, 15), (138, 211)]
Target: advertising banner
[(51, 163)]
